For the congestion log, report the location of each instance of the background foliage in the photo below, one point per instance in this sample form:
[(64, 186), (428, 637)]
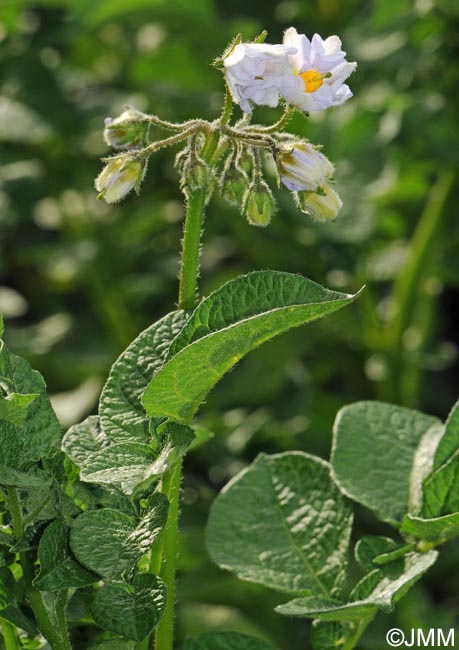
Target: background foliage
[(79, 279)]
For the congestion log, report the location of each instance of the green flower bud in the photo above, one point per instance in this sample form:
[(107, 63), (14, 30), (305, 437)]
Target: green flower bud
[(259, 205), (119, 177), (322, 205), (234, 186), (128, 130)]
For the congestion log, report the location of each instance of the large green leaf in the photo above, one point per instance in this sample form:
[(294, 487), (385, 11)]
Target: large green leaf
[(110, 542), (376, 455), (226, 641), (58, 569), (130, 610), (380, 589), (228, 324), (121, 413), (38, 427), (131, 463), (283, 523)]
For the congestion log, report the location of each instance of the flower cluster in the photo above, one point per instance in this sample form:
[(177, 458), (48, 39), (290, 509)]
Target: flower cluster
[(305, 74)]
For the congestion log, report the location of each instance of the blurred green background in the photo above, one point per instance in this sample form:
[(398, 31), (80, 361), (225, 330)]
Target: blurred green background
[(79, 279)]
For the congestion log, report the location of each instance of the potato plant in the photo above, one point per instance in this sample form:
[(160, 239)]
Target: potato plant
[(90, 517)]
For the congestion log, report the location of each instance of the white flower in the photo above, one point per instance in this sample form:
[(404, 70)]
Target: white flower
[(321, 206), (254, 72), (118, 178), (319, 69), (302, 167)]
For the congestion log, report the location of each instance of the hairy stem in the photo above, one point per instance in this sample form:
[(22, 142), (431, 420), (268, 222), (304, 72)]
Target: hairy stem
[(164, 637), (57, 637), (407, 286), (10, 639), (191, 249), (164, 557), (277, 126)]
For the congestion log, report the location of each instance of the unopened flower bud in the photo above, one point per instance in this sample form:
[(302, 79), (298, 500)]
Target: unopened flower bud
[(302, 167), (195, 174), (259, 205), (234, 186), (321, 206), (118, 178), (128, 130)]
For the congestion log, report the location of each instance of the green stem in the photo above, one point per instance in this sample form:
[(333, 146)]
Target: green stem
[(407, 285), (191, 249), (277, 126), (10, 638), (57, 638), (164, 637)]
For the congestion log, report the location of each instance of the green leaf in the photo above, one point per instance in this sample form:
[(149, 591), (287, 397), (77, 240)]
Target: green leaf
[(375, 455), (438, 529), (283, 523), (98, 540), (327, 635), (370, 547), (14, 407), (131, 463), (39, 428), (380, 589), (121, 413), (237, 318), (449, 443), (84, 439), (109, 542), (441, 487), (58, 568), (7, 588), (225, 641), (25, 480), (130, 610), (16, 616), (13, 470)]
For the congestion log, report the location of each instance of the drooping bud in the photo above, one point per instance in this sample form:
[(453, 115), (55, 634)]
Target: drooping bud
[(259, 205), (234, 186), (323, 205), (193, 170), (118, 177), (302, 167), (128, 130)]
